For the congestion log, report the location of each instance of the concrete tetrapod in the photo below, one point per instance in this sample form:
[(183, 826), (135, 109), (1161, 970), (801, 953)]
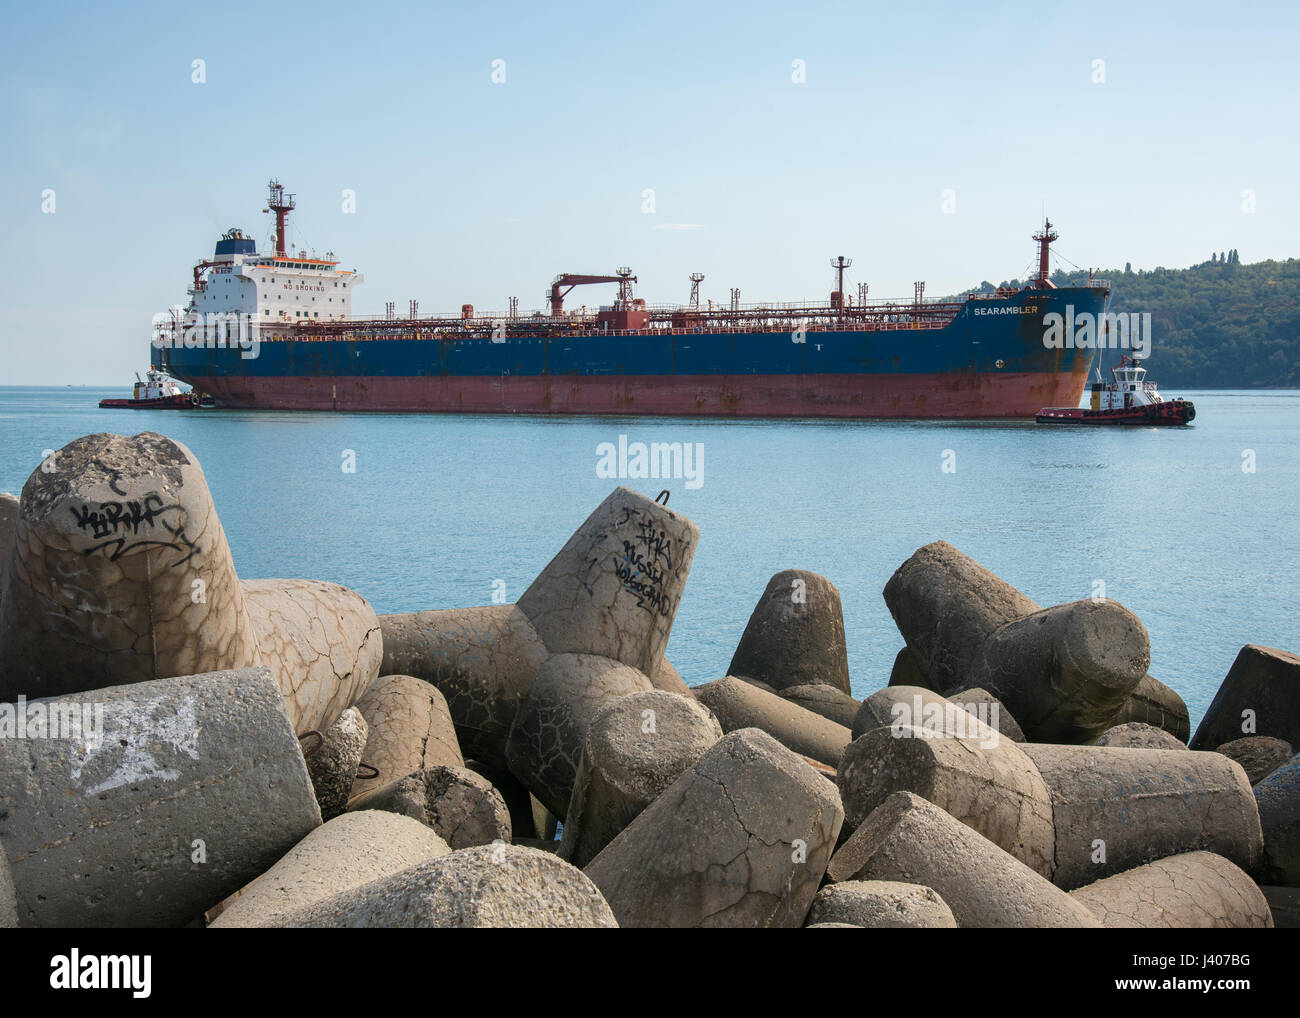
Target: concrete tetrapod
[(489, 886), (829, 702), (738, 704), (946, 605), (332, 762), (880, 904), (483, 660), (989, 709), (1154, 703), (1064, 672), (461, 805), (346, 852), (1137, 735), (907, 671), (1259, 755), (1260, 695), (985, 781), (739, 840), (322, 642), (1284, 903), (795, 635), (189, 788), (1193, 889), (410, 729), (119, 573), (8, 520), (545, 745), (613, 589), (916, 706), (1278, 796), (8, 901), (1115, 809), (636, 746), (908, 838)]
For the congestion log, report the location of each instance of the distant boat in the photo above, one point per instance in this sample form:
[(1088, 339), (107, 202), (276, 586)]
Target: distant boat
[(1129, 399), (158, 391)]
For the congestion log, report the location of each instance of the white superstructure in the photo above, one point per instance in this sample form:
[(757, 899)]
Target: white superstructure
[(1129, 389), (277, 288)]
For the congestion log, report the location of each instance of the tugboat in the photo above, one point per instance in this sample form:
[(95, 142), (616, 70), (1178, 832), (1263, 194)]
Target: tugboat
[(158, 391), (1129, 399)]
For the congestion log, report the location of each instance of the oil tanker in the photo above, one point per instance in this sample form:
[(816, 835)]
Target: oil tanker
[(276, 331)]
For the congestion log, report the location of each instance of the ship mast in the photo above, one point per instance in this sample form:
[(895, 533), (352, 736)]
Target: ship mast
[(1045, 236), (281, 204)]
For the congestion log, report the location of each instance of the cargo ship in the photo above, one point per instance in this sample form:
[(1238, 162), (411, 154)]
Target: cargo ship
[(276, 331)]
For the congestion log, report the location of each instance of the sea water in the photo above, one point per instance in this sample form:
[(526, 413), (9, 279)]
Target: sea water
[(1193, 528)]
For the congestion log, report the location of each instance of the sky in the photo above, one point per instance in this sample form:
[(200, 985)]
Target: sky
[(488, 147)]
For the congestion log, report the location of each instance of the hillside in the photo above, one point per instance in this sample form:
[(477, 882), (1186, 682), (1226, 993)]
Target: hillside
[(1216, 325)]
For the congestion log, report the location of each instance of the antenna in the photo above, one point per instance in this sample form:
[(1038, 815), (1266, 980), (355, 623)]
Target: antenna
[(696, 278), (839, 265)]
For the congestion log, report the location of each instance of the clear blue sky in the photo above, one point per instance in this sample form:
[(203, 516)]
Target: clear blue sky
[(470, 192)]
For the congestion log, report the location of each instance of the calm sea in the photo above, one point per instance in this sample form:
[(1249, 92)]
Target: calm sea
[(1194, 529)]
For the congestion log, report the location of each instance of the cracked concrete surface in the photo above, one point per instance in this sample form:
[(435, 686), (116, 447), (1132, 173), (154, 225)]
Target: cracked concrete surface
[(322, 641), (546, 739), (1194, 889), (739, 840), (995, 790), (910, 839), (1144, 804), (483, 660), (635, 748), (119, 573), (410, 729)]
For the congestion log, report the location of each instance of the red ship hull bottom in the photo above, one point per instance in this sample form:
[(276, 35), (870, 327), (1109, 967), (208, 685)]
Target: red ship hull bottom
[(955, 395)]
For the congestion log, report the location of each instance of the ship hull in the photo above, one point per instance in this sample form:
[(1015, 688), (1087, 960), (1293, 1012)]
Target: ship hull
[(990, 361), (837, 396)]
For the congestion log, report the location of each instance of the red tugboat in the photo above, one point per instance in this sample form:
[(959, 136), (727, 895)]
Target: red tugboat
[(158, 391), (1129, 399)]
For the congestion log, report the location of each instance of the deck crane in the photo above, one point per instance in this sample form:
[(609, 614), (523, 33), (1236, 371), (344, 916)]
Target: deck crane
[(566, 281)]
